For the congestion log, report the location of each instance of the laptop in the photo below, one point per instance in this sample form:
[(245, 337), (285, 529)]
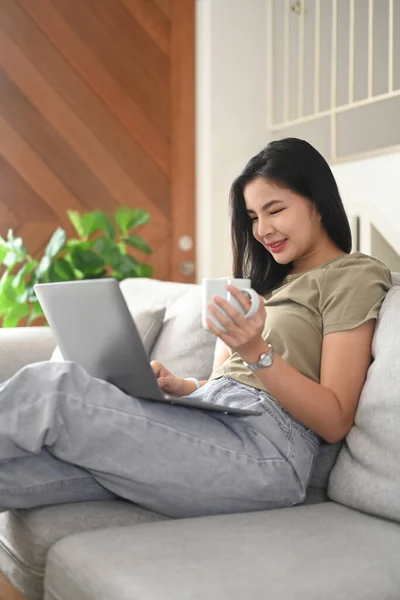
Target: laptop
[(94, 328)]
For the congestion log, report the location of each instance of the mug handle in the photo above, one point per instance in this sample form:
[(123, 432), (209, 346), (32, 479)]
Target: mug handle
[(255, 302)]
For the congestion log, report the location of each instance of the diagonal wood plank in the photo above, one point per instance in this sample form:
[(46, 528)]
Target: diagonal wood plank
[(63, 81), (8, 220), (71, 128), (166, 6), (97, 33), (133, 40), (96, 110), (163, 270), (101, 80), (19, 197), (152, 20), (46, 142), (36, 173), (38, 233)]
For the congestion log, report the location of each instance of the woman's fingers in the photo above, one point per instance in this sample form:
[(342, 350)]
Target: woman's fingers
[(229, 315), (219, 316), (243, 299), (158, 368)]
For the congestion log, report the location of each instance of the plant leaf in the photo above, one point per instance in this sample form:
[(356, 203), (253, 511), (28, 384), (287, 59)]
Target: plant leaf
[(128, 218), (121, 247), (11, 259), (43, 267), (23, 297), (76, 220), (15, 314), (3, 254), (17, 245), (137, 242), (108, 250), (98, 221), (145, 270), (97, 274), (126, 267), (61, 270), (6, 289), (141, 218), (56, 243), (124, 218), (86, 261), (5, 304), (72, 244), (19, 279), (103, 246), (16, 251)]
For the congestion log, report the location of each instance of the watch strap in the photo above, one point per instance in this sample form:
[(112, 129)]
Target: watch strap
[(265, 360)]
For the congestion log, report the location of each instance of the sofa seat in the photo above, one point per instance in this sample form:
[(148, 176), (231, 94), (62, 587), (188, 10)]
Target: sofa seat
[(320, 552), (26, 535)]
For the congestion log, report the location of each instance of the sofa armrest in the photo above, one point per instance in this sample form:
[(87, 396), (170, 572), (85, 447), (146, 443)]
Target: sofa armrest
[(21, 346)]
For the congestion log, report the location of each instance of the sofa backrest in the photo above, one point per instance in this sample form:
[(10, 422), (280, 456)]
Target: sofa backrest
[(143, 293), (366, 475), (395, 278), (183, 346)]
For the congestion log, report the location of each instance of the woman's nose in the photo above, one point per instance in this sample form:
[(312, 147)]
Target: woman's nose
[(264, 228)]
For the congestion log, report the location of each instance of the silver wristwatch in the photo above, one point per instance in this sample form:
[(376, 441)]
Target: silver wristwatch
[(264, 361)]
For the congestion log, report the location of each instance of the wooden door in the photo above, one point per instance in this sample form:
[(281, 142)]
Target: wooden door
[(97, 112)]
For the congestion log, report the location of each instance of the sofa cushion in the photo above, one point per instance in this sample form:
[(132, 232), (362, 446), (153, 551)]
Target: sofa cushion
[(367, 472), (21, 346), (183, 346), (324, 463), (328, 453), (395, 278), (321, 552), (26, 535), (142, 292), (148, 322)]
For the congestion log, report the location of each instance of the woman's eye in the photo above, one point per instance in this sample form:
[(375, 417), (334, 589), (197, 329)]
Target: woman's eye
[(253, 219), (277, 211)]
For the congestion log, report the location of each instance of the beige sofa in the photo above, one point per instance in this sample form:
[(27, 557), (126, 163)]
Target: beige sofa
[(115, 550)]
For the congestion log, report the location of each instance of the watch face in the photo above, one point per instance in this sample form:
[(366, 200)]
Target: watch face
[(266, 359)]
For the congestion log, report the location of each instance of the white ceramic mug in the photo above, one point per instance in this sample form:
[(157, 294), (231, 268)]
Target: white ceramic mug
[(217, 287)]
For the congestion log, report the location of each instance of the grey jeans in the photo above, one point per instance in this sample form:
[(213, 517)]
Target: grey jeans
[(66, 436)]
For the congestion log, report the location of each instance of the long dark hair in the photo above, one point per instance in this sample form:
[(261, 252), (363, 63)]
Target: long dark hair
[(293, 164)]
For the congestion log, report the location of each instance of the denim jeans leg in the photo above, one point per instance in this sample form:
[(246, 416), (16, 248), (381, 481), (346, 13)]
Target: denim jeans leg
[(40, 480), (173, 460)]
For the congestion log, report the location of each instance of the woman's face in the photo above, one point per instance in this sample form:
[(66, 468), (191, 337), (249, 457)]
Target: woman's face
[(288, 225)]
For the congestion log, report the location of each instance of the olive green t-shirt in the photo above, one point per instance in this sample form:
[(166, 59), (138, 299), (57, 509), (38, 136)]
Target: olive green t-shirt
[(338, 295)]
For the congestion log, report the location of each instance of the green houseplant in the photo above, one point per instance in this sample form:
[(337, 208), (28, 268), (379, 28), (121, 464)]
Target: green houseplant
[(99, 250)]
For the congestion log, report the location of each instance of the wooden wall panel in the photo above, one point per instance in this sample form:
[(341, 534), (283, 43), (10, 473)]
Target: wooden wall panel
[(97, 111), (182, 117)]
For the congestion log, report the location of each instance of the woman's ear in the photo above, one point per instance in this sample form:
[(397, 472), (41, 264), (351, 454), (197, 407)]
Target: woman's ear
[(315, 212)]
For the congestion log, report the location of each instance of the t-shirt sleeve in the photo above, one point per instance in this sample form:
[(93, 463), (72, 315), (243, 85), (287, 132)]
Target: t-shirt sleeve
[(352, 293)]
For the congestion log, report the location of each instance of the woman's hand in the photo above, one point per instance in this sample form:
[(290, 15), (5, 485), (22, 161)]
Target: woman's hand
[(242, 335), (167, 381)]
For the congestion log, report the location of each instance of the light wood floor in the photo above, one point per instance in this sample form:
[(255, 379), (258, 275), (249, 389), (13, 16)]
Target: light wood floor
[(8, 591)]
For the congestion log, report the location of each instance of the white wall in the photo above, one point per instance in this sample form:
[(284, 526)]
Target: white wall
[(231, 126), (231, 116), (370, 188)]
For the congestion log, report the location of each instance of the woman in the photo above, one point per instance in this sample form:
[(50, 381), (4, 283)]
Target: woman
[(65, 436)]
